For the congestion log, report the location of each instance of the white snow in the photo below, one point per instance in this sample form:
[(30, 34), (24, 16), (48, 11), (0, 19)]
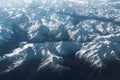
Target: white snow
[(34, 27), (82, 2), (18, 50)]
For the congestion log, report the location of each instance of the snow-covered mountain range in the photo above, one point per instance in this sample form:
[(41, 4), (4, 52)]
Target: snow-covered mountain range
[(59, 39)]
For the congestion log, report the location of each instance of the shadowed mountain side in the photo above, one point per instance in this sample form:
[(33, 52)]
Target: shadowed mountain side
[(45, 35), (78, 70), (112, 70), (12, 43), (78, 18), (61, 34)]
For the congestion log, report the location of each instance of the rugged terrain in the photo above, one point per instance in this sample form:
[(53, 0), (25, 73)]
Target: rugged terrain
[(60, 40)]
